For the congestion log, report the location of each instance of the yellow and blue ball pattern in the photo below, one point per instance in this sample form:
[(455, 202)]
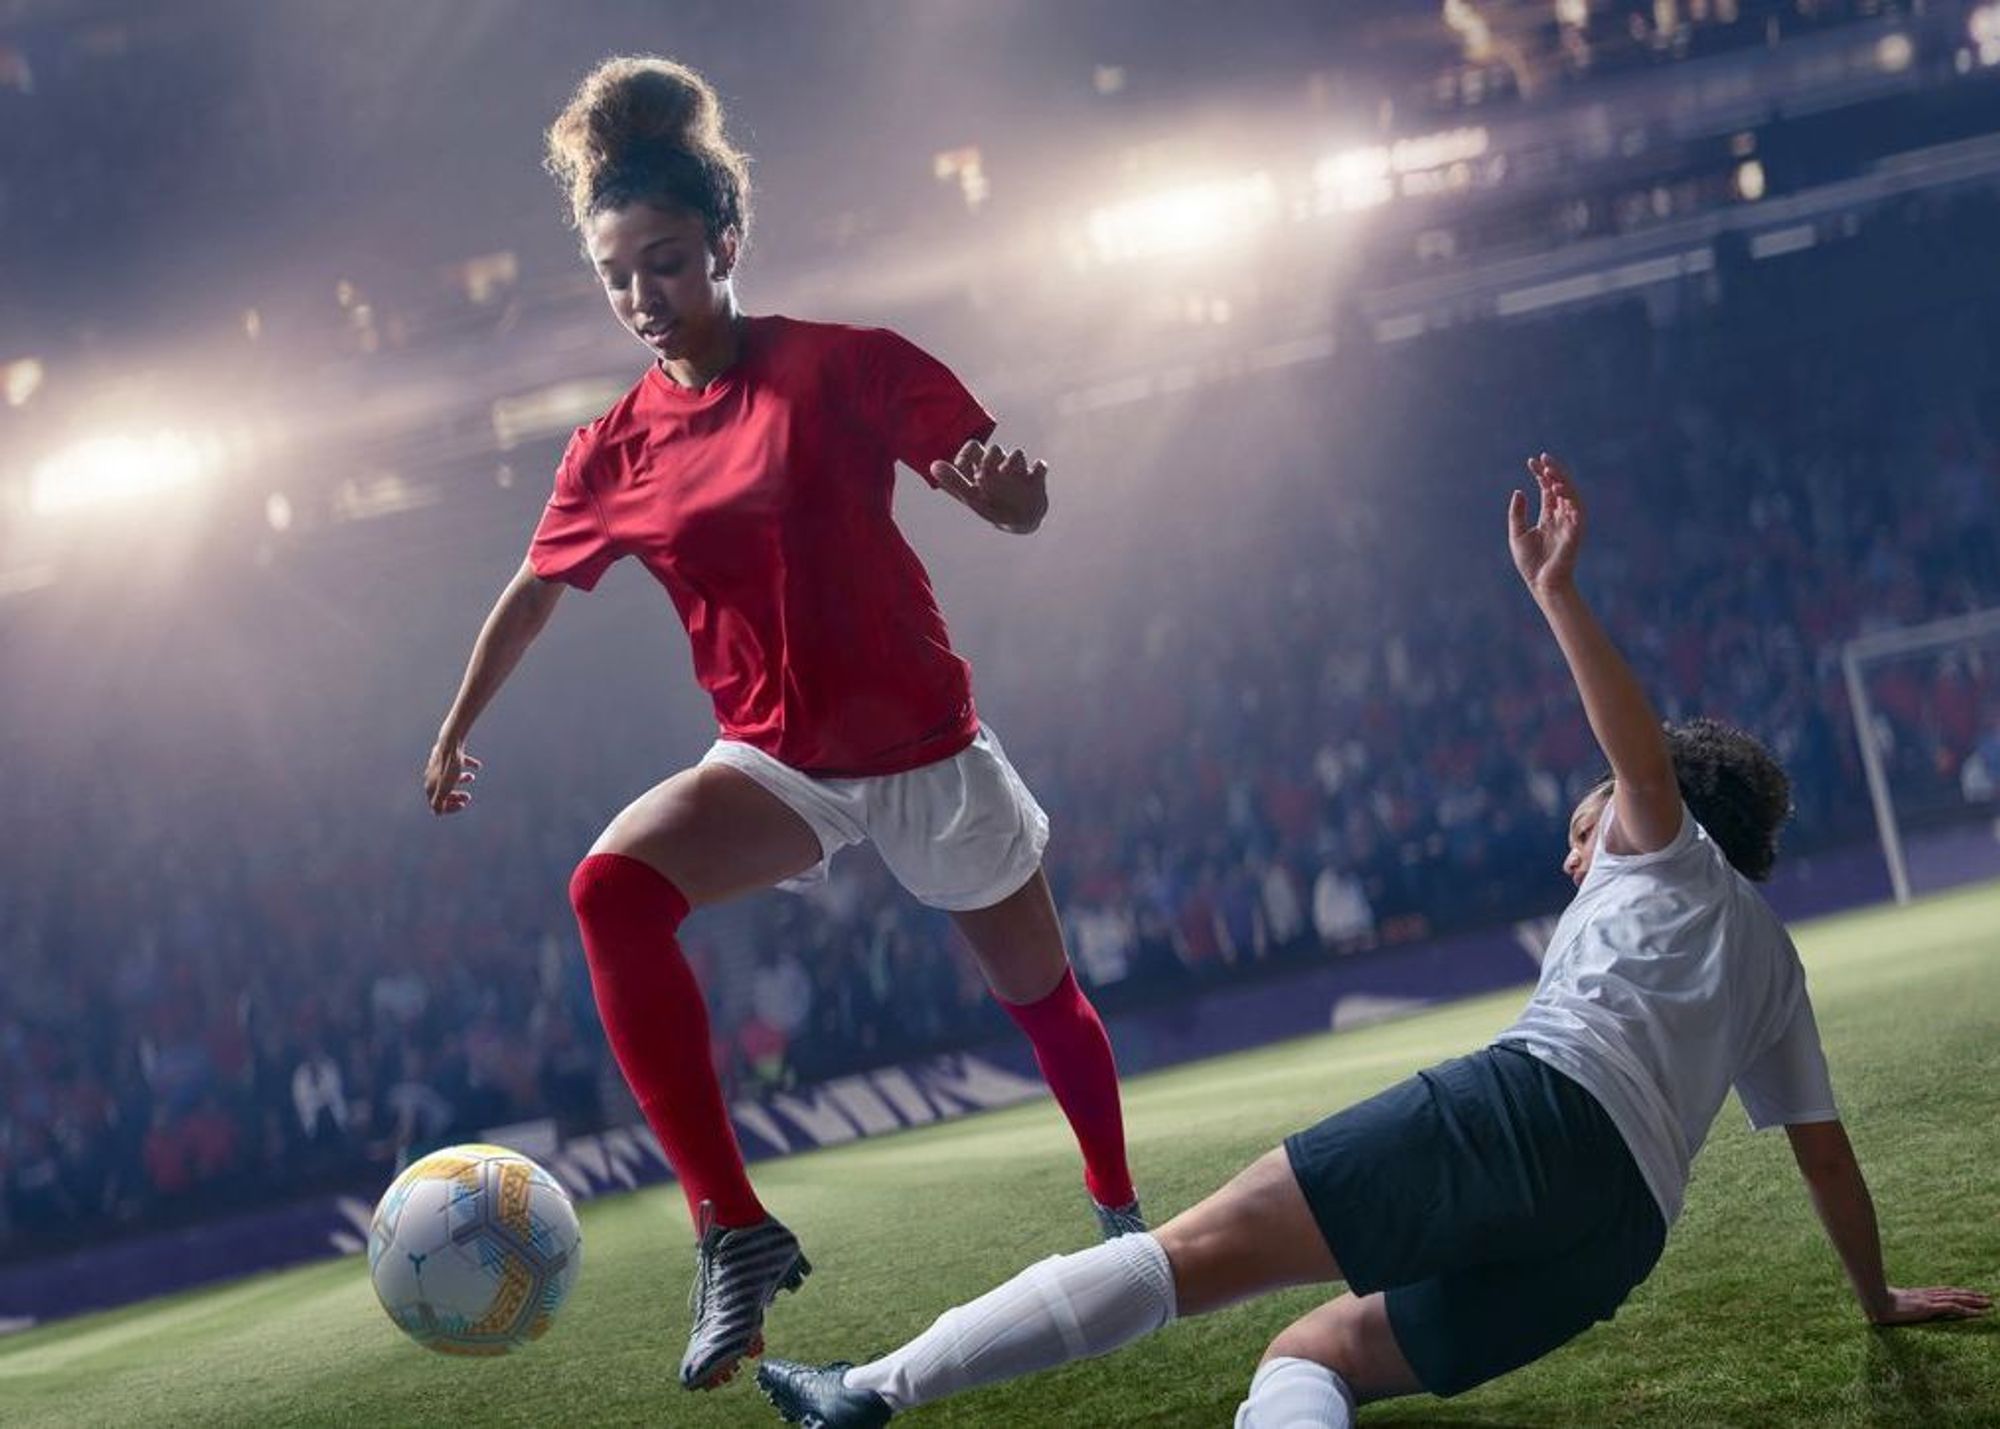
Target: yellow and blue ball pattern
[(473, 1250)]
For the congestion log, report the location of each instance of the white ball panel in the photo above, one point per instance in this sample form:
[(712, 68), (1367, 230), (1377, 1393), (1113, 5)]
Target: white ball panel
[(474, 1249)]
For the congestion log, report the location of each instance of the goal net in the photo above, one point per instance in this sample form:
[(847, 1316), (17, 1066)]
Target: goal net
[(1926, 703)]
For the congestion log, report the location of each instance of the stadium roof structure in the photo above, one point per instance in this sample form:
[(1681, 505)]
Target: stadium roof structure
[(1565, 175)]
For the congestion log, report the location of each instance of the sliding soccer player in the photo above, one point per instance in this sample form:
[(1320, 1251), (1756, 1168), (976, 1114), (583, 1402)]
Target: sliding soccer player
[(1488, 1210)]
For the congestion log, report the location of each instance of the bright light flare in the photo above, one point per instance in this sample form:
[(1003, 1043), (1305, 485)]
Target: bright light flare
[(1365, 177), (1354, 180), (1984, 27), (1473, 30), (1183, 220), (21, 380), (107, 470)]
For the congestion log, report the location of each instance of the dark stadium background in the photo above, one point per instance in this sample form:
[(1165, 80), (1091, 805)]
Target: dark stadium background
[(1284, 290)]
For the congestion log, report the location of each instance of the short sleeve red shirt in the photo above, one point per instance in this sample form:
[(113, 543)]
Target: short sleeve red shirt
[(762, 504)]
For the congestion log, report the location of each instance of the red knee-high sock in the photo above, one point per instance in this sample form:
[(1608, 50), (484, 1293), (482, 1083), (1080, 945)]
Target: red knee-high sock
[(1075, 1057), (658, 1025)]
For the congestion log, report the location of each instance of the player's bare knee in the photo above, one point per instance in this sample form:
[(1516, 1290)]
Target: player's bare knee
[(660, 829), (1333, 1340), (1214, 1263), (1351, 1336), (1252, 1236), (644, 846)]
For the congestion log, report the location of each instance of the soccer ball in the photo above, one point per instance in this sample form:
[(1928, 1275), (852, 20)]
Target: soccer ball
[(473, 1250)]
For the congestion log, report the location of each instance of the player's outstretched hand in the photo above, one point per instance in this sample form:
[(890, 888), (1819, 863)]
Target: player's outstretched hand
[(447, 776), (1545, 553), (1000, 486), (1934, 1302)]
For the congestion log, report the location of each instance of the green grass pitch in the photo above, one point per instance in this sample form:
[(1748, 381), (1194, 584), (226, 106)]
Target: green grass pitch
[(1747, 1320)]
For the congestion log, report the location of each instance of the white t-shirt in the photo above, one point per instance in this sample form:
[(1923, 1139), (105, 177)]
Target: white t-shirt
[(1668, 979)]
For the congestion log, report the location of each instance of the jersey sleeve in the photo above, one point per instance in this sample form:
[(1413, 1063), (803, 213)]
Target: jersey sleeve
[(571, 542), (1787, 1083), (918, 406)]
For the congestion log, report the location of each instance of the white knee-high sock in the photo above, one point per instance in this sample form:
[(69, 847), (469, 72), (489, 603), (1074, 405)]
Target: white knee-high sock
[(1292, 1393), (1068, 1307)]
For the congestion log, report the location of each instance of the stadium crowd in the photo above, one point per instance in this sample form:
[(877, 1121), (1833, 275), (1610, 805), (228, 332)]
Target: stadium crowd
[(1300, 714)]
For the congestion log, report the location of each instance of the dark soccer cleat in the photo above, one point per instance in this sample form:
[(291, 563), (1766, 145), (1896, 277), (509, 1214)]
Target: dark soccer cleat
[(1115, 1221), (737, 1273), (817, 1397)]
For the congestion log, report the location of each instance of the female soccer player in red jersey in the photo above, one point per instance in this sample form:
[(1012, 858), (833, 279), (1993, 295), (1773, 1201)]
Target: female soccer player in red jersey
[(751, 470)]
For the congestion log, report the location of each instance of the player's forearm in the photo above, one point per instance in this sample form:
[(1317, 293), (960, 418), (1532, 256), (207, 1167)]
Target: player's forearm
[(1622, 718), (516, 619), (1847, 1211)]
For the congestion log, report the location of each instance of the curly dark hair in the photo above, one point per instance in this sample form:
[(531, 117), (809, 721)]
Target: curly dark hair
[(643, 129), (1735, 789)]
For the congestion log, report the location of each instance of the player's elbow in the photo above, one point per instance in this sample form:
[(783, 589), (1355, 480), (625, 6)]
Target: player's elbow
[(1647, 784), (1649, 810), (531, 599)]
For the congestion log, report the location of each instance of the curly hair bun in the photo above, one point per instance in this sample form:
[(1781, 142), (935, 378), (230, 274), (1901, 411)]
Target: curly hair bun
[(1735, 789), (642, 126)]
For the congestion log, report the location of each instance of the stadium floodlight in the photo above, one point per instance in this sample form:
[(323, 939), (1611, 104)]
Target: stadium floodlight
[(106, 470), (1364, 177), (1472, 29), (1355, 179), (1182, 220), (21, 379), (1970, 642), (1984, 27)]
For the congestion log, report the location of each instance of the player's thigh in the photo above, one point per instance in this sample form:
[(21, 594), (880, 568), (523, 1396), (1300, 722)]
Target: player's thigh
[(1255, 1235), (1465, 1327), (1018, 942), (1352, 1336), (713, 832)]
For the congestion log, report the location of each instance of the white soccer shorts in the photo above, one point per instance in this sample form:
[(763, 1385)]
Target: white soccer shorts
[(959, 834)]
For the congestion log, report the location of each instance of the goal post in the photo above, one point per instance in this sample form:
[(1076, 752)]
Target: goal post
[(1949, 667)]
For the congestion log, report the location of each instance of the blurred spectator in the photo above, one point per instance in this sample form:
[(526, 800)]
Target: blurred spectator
[(1284, 918), (1341, 915), (320, 1100), (420, 1116), (1298, 705)]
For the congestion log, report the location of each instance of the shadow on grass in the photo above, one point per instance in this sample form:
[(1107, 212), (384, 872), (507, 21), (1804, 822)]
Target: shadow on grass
[(1907, 1381), (1422, 1412), (1979, 1325)]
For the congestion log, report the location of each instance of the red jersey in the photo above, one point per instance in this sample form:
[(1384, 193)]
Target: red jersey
[(762, 504)]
